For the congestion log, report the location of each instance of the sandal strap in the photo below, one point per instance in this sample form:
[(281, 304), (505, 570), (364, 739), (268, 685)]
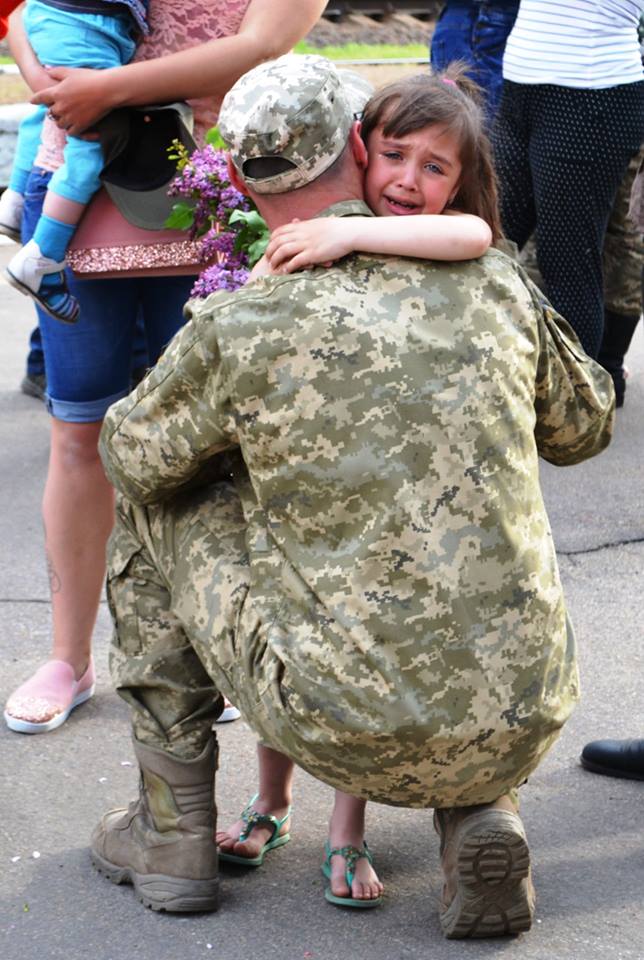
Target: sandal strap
[(351, 855), (252, 818)]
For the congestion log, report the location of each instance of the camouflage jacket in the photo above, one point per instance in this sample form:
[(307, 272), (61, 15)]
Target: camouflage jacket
[(390, 413)]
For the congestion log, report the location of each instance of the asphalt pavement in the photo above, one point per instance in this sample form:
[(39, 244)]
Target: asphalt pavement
[(586, 832)]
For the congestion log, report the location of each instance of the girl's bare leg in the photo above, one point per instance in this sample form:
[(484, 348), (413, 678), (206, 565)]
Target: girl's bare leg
[(275, 795), (346, 829)]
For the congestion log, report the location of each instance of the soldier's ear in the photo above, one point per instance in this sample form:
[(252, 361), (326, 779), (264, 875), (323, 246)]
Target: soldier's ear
[(235, 177)]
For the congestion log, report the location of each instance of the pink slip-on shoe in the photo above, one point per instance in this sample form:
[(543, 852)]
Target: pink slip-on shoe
[(48, 697)]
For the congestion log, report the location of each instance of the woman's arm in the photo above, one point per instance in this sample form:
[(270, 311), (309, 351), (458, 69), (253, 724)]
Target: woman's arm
[(269, 29), (428, 236), (33, 72)]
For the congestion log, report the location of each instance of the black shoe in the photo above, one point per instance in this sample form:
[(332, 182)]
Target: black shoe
[(615, 758), (34, 385)]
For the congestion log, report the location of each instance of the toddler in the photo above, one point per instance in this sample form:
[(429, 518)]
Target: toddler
[(60, 36)]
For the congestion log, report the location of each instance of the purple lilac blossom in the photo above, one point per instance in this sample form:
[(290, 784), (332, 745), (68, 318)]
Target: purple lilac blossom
[(204, 178), (219, 277)]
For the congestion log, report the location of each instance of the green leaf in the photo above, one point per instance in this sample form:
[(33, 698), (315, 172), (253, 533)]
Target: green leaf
[(251, 219), (257, 250), (178, 152), (215, 139), (182, 216), (252, 234)]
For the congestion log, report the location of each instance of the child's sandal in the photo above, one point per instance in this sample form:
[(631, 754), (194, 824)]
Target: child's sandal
[(252, 819), (351, 855)]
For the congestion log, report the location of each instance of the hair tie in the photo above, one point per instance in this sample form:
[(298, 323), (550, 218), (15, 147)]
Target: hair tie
[(448, 80)]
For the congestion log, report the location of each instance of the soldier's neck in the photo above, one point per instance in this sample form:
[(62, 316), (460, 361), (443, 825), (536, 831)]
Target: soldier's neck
[(286, 207)]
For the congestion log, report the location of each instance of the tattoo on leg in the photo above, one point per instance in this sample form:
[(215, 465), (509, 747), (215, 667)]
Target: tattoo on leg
[(54, 580)]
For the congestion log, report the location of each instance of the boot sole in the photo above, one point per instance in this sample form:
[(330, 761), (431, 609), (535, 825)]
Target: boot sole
[(161, 892), (494, 895)]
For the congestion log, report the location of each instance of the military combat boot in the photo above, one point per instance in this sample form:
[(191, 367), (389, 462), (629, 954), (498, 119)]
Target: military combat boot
[(488, 890), (163, 843)]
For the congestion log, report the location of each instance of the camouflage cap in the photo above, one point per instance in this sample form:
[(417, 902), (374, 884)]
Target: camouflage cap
[(357, 89), (292, 109)]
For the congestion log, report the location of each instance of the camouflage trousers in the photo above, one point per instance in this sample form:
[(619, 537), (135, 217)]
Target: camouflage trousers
[(204, 605), (623, 257)]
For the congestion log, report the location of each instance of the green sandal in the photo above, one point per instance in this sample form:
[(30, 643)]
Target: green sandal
[(351, 855), (253, 819)]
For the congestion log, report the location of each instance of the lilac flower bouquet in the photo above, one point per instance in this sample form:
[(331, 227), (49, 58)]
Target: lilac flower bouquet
[(232, 233)]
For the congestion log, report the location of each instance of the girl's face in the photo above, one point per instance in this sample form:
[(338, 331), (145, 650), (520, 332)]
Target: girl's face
[(417, 173)]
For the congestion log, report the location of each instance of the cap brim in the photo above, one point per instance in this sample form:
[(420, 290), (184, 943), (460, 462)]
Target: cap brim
[(148, 209)]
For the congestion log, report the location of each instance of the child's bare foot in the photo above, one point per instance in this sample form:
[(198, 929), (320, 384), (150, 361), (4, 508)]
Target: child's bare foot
[(258, 835)]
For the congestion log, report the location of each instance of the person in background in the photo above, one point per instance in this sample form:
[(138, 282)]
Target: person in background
[(196, 49), (80, 35), (475, 31), (621, 758), (571, 118), (615, 758), (623, 260)]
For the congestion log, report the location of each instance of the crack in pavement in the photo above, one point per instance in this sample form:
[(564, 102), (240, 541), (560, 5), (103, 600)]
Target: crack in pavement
[(34, 600), (602, 546)]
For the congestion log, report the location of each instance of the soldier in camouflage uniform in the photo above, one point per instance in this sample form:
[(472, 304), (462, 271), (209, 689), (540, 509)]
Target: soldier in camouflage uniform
[(330, 512)]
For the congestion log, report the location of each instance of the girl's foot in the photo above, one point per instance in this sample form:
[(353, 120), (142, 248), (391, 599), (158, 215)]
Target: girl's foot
[(366, 884), (346, 835), (259, 835)]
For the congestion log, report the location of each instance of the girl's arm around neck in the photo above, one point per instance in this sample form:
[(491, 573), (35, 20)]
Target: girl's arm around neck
[(427, 236)]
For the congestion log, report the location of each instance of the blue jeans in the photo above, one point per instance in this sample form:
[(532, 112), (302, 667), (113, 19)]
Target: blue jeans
[(89, 363), (476, 32), (140, 358), (36, 356)]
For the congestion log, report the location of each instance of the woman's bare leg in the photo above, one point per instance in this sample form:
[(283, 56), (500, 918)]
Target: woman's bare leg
[(78, 512)]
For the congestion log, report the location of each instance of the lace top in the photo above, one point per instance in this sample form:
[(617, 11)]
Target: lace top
[(174, 25), (180, 24)]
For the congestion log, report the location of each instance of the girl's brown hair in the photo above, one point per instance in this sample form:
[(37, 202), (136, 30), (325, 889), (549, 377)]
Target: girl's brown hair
[(452, 100)]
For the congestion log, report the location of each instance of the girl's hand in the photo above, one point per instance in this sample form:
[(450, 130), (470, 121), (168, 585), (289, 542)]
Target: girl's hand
[(261, 269), (302, 244)]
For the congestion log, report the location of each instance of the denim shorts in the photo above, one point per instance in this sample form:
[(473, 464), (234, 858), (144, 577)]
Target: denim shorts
[(89, 363)]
